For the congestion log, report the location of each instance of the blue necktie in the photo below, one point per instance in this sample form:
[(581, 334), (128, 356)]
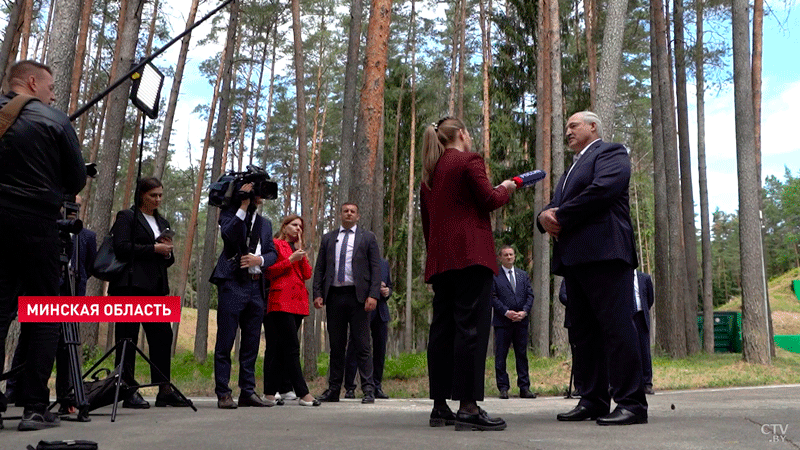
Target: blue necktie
[(342, 257)]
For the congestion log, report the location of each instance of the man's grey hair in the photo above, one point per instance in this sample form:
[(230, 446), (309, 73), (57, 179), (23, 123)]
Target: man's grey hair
[(590, 117)]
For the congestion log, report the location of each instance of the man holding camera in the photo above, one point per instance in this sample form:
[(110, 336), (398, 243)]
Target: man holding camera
[(239, 275), (40, 162)]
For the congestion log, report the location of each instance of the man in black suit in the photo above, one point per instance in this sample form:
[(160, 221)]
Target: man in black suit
[(643, 294), (239, 276), (347, 278), (379, 327), (589, 219), (512, 299)]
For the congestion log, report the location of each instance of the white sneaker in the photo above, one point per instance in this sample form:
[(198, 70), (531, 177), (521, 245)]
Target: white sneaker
[(288, 396), (277, 396)]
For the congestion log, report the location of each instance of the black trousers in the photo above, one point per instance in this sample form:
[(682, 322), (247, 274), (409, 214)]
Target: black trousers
[(282, 336), (271, 361), (29, 265), (240, 306), (644, 347), (600, 297), (504, 337), (63, 382), (344, 312), (379, 330), (459, 335)]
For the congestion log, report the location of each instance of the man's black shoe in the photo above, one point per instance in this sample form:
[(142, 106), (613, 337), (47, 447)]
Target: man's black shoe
[(329, 396), (441, 417), (380, 394), (350, 393), (251, 400), (478, 421), (171, 399), (503, 394), (135, 401), (622, 416), (579, 413), (226, 402), (32, 420), (369, 397), (526, 393)]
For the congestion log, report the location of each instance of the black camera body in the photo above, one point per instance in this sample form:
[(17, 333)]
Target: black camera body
[(225, 192)]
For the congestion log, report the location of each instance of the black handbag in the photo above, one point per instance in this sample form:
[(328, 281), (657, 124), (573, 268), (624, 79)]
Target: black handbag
[(100, 391), (106, 265)]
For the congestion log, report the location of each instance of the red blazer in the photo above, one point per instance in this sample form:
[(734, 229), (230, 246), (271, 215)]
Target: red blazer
[(455, 214), (287, 288)]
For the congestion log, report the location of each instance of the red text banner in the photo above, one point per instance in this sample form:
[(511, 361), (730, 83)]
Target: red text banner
[(99, 309)]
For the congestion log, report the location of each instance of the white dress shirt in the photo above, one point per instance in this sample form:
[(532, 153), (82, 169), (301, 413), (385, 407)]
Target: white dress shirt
[(243, 215), (348, 259)]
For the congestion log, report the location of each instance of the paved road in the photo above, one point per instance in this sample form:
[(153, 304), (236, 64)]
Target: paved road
[(738, 418)]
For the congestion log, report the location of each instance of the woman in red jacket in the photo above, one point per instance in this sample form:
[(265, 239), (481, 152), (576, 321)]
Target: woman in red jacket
[(286, 307), (456, 198)]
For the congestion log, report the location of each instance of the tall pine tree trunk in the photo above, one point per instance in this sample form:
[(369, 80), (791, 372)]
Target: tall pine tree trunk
[(169, 117), (350, 100), (210, 238), (755, 331), (409, 318), (687, 197), (370, 115), (61, 57), (610, 63), (705, 228)]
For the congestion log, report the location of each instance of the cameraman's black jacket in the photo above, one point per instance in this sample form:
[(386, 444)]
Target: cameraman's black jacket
[(40, 160)]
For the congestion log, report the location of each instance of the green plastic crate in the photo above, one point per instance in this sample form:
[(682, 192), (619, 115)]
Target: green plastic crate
[(727, 331)]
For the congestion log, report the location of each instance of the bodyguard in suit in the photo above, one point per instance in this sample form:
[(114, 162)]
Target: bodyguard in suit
[(347, 280), (512, 299), (589, 219), (239, 276), (379, 328), (84, 250), (643, 295)]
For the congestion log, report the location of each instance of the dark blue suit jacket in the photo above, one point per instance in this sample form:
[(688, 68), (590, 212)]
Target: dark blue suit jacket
[(646, 295), (504, 299), (593, 209), (234, 238), (366, 265), (85, 250), (383, 308)]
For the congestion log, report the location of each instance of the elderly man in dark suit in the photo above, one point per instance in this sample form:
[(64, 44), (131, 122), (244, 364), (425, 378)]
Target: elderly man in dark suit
[(347, 280), (643, 294), (512, 299), (589, 218), (239, 276), (379, 327)]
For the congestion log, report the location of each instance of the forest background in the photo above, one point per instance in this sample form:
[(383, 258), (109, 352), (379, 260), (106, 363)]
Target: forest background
[(370, 77)]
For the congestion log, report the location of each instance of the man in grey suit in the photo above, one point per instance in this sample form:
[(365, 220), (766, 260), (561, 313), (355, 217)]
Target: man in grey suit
[(347, 280), (512, 299)]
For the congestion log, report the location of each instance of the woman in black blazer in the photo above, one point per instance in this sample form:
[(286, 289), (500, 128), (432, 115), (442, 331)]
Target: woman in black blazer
[(138, 237)]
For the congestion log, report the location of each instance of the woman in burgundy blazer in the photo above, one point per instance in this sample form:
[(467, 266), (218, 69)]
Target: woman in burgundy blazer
[(287, 305), (456, 199)]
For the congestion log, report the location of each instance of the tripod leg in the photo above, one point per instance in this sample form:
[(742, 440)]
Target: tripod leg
[(154, 369), (119, 380)]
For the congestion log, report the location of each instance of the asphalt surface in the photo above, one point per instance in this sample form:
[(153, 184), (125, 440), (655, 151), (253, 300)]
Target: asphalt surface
[(765, 417)]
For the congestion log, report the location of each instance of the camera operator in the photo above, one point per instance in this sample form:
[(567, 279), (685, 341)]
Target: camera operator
[(40, 162), (239, 276)]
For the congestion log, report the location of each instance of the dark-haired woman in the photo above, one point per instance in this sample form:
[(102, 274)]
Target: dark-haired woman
[(456, 199), (286, 308), (139, 237)]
